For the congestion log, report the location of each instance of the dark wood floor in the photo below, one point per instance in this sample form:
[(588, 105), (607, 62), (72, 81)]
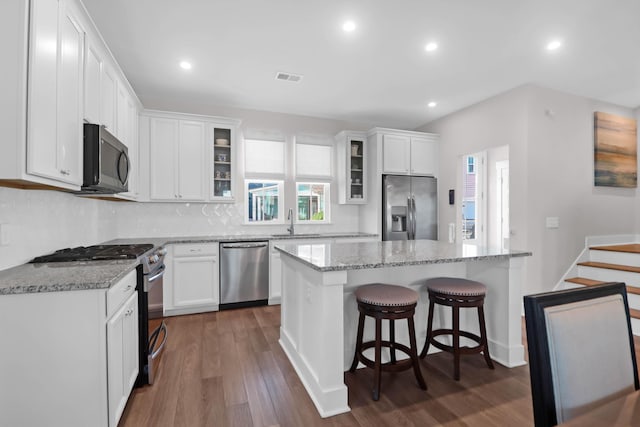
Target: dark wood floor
[(227, 369)]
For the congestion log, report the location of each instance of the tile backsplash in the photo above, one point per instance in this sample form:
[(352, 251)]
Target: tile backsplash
[(191, 219), (35, 222)]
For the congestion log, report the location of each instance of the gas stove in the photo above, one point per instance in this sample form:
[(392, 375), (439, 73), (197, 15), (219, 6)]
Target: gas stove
[(96, 253)]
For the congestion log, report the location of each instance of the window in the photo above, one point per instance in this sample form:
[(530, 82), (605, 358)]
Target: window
[(471, 164), (313, 202), (264, 201)]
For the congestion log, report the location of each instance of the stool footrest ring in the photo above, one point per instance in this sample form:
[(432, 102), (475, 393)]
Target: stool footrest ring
[(388, 366)]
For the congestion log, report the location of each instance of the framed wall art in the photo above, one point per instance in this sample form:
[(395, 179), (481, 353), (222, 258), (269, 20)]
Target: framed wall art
[(615, 151)]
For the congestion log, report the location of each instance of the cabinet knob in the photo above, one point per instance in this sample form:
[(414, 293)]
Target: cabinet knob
[(65, 171)]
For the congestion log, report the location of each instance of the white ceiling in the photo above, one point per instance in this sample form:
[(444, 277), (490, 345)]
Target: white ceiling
[(380, 73)]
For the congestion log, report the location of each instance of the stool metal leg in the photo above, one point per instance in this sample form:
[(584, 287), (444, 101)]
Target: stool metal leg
[(392, 340), (483, 337), (414, 353), (423, 353), (456, 342), (356, 355), (378, 361)]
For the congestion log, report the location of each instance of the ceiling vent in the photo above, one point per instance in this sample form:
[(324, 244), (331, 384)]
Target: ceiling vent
[(288, 77)]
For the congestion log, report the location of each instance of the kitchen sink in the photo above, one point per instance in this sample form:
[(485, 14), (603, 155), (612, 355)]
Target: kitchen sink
[(295, 235)]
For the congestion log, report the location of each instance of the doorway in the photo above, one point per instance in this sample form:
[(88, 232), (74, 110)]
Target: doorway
[(473, 205)]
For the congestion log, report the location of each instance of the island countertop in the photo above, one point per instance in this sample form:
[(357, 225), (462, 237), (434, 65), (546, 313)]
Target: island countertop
[(355, 256)]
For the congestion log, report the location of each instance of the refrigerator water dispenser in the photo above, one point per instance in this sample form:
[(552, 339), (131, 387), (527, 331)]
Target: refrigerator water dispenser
[(398, 218)]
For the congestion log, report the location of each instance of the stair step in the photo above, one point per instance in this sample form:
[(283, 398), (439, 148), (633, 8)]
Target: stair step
[(609, 266), (590, 282), (583, 281), (633, 248), (634, 313)]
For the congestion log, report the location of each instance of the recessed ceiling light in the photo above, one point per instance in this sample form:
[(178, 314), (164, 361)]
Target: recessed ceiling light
[(185, 65), (349, 26), (554, 44), (430, 47), (432, 104)]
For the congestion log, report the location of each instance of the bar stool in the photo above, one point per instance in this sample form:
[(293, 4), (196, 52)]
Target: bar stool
[(388, 302), (455, 293)]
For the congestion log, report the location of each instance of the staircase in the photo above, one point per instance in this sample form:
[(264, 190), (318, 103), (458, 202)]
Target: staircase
[(618, 262)]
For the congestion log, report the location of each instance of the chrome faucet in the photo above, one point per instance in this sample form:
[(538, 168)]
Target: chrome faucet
[(290, 219)]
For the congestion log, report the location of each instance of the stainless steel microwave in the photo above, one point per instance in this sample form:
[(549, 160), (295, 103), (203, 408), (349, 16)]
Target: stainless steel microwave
[(106, 162)]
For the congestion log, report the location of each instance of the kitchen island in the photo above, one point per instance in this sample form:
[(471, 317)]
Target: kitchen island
[(319, 311)]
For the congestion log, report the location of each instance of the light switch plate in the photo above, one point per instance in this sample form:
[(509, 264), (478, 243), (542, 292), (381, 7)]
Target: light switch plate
[(553, 222)]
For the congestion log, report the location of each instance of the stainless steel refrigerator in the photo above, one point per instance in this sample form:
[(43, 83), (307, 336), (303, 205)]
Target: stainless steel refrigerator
[(409, 205)]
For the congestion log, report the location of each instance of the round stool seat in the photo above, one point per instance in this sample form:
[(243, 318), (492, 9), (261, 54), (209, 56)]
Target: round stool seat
[(456, 286), (386, 295)]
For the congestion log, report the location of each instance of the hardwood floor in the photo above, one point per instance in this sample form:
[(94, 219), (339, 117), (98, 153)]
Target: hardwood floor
[(227, 369)]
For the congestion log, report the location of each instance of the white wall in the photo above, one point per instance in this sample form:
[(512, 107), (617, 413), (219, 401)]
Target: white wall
[(560, 181), (39, 222), (550, 139)]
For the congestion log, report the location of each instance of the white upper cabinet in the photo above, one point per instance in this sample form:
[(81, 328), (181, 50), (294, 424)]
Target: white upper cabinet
[(396, 154), (61, 75), (191, 161), (122, 113), (162, 153), (177, 160), (424, 156), (92, 79), (352, 167), (108, 96), (55, 96), (191, 158), (408, 153)]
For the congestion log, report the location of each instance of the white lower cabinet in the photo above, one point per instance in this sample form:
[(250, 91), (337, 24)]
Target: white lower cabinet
[(68, 358), (191, 284), (122, 356)]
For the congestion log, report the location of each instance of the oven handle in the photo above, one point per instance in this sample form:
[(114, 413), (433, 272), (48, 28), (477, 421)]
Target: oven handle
[(157, 276), (153, 352)]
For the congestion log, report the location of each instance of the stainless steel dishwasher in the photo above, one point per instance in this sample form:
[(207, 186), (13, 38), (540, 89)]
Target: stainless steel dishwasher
[(244, 274)]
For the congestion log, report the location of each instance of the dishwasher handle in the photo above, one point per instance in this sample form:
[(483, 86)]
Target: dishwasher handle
[(244, 245)]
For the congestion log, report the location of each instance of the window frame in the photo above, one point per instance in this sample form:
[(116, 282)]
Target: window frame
[(279, 220), (327, 203)]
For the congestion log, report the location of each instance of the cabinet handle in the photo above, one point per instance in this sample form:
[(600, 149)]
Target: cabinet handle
[(195, 250)]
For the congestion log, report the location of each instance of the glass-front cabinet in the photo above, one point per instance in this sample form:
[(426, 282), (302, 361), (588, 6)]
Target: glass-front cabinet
[(222, 163), (224, 160), (352, 167)]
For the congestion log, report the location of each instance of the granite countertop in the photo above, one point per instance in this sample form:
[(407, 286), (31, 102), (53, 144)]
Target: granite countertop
[(63, 276), (355, 256), (84, 275)]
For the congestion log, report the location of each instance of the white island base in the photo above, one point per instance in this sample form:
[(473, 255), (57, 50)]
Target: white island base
[(320, 315)]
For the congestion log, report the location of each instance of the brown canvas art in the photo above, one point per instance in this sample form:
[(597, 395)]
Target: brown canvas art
[(615, 151)]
